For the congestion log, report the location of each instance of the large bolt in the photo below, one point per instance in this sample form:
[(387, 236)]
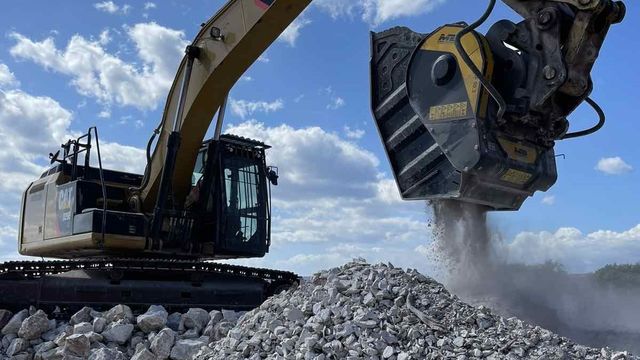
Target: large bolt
[(545, 17), (549, 72), (583, 84)]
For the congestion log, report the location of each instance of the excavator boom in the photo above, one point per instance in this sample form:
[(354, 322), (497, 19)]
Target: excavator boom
[(226, 46)]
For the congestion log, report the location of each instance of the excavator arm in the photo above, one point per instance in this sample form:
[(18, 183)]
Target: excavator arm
[(222, 51)]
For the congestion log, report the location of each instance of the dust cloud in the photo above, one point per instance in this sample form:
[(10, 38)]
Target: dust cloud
[(576, 306)]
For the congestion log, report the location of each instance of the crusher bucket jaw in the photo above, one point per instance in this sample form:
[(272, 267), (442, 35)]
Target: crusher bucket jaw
[(474, 117)]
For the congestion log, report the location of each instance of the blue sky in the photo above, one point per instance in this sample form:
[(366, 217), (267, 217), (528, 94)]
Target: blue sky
[(110, 64)]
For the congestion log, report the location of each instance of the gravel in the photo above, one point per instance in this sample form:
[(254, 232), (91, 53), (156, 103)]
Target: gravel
[(380, 312), (357, 311)]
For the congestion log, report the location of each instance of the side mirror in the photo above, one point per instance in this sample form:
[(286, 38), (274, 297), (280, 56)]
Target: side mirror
[(54, 157), (273, 176)]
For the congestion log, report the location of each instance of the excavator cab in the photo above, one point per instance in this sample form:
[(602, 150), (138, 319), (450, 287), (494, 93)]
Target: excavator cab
[(226, 215), (231, 195)]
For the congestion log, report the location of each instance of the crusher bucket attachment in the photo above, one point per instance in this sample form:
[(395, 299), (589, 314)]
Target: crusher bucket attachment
[(435, 122)]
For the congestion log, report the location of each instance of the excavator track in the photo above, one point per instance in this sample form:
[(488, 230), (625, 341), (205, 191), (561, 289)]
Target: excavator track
[(102, 283)]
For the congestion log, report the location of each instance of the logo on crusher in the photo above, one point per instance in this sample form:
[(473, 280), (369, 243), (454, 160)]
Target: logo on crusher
[(447, 38), (264, 4)]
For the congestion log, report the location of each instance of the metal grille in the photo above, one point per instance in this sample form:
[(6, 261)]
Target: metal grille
[(181, 228)]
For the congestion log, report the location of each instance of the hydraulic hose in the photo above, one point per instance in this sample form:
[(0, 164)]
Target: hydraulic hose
[(502, 105), (598, 126)]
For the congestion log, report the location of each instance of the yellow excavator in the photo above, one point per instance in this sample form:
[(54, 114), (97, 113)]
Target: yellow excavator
[(461, 116)]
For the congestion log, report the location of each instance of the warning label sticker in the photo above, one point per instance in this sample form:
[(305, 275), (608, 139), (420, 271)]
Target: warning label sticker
[(516, 177), (448, 111)]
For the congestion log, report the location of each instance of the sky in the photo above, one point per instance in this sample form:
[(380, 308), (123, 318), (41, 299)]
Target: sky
[(111, 63)]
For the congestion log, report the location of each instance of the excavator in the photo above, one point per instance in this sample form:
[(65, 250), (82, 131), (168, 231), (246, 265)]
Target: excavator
[(461, 115)]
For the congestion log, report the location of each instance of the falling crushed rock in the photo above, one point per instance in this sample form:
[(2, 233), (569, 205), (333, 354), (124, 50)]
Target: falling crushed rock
[(357, 311)]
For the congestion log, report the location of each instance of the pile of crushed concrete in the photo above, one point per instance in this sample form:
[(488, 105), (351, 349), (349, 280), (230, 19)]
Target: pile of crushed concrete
[(357, 311), (112, 335)]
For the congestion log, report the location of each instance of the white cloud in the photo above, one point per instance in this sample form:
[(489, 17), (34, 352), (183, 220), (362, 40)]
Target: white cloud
[(246, 78), (104, 114), (107, 78), (122, 157), (613, 166), (353, 133), (292, 32), (577, 251), (244, 108), (338, 8), (376, 12), (105, 37), (112, 8), (263, 58), (549, 200), (107, 6), (336, 103), (387, 191), (7, 79), (148, 6), (33, 124)]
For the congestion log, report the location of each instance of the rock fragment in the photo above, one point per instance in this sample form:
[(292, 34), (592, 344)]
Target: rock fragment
[(143, 354), (83, 315), (34, 326), (17, 345), (118, 332), (99, 324), (153, 320), (173, 321), (14, 323), (77, 345), (186, 349), (195, 319), (82, 328), (105, 353), (5, 316), (119, 312), (162, 343)]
